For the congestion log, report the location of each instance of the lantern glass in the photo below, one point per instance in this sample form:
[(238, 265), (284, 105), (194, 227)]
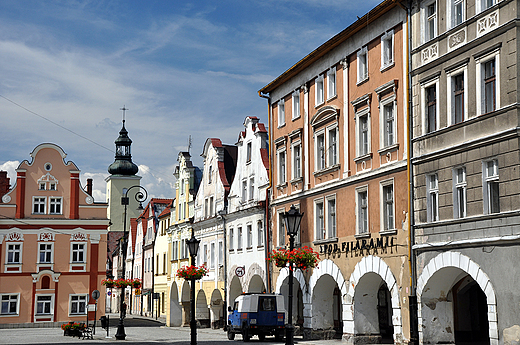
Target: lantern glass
[(292, 220), (193, 245)]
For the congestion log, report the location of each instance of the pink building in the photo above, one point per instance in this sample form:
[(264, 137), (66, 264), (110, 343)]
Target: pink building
[(52, 243)]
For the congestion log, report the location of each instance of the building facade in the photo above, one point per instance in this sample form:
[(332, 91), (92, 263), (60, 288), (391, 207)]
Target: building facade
[(52, 243), (338, 141), (466, 170)]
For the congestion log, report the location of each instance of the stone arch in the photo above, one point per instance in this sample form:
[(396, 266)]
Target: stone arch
[(216, 309), (464, 263), (372, 264), (202, 309), (254, 270), (235, 290), (175, 315)]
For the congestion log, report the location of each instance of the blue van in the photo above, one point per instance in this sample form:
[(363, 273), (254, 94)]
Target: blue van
[(256, 314)]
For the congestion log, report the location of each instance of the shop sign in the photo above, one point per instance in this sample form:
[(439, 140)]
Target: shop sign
[(358, 245)]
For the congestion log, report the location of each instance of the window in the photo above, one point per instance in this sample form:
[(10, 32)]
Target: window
[(363, 142), (489, 85), (163, 266), (319, 90), (14, 253), (78, 252), (431, 21), (45, 253), (388, 125), (333, 147), (210, 174), (220, 253), (78, 304), (491, 189), (432, 202), (42, 186), (260, 232), (206, 208), (55, 206), (251, 188), (43, 305), (320, 144), (281, 230), (431, 108), (53, 186), (387, 198), (38, 205), (485, 4), (457, 12), (318, 219), (249, 236), (387, 49), (244, 191), (205, 254), (297, 161), (212, 255), (231, 239), (331, 217), (296, 104), (362, 211), (239, 245), (9, 304), (331, 83), (362, 65), (281, 113), (459, 193), (211, 203), (249, 148), (175, 250), (458, 98), (281, 167)]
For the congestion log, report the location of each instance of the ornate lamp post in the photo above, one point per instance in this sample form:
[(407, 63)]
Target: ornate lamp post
[(193, 247), (292, 220), (140, 196)]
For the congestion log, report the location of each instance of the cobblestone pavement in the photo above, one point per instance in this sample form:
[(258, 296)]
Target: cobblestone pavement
[(138, 330)]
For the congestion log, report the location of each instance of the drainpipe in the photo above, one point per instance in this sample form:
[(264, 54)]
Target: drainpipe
[(412, 299), (267, 193)]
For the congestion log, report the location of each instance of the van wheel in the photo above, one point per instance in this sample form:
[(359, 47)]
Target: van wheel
[(278, 336), (230, 335), (246, 336), (261, 336)]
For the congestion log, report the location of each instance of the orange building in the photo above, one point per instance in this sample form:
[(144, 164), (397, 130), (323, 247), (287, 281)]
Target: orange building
[(52, 243), (339, 144)]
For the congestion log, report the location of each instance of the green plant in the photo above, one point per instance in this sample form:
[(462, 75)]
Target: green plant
[(192, 272), (302, 258)]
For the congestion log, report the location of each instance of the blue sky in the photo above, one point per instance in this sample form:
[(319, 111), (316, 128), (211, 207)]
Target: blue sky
[(181, 68)]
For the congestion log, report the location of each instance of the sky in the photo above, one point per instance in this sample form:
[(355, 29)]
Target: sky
[(181, 68)]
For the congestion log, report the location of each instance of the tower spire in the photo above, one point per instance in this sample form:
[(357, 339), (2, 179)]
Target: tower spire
[(123, 164)]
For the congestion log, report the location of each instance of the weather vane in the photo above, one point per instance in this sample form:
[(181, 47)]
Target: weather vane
[(189, 143), (124, 109)]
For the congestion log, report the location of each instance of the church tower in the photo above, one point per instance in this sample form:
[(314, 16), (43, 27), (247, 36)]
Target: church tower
[(122, 176)]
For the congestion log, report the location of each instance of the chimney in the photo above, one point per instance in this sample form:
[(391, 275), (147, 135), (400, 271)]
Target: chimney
[(4, 183), (89, 186)]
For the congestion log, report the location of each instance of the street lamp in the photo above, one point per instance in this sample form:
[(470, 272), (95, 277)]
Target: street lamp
[(193, 247), (292, 220), (140, 196)]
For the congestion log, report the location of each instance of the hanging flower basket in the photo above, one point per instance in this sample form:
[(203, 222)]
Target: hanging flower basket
[(302, 258), (136, 283), (109, 283), (192, 272)]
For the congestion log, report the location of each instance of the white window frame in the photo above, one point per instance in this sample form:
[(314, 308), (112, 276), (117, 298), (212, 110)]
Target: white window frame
[(359, 114), (388, 101), (244, 190), (50, 303), (327, 161), (282, 166), (362, 66), (249, 151), (332, 153), (45, 251), (296, 104), (432, 197), (362, 225), (386, 224), (55, 201), (281, 113), (319, 219), (459, 193), (450, 85), (451, 6), (12, 298), (481, 5), (239, 238), (78, 302), (320, 151), (331, 220), (331, 83), (220, 253), (249, 235), (387, 57), (424, 86), (72, 251), (426, 35), (487, 180), (231, 239), (319, 90), (40, 201), (281, 228), (14, 251), (251, 188), (296, 160), (212, 257), (260, 233), (480, 65)]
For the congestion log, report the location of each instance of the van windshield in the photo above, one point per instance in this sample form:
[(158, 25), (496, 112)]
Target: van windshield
[(267, 304)]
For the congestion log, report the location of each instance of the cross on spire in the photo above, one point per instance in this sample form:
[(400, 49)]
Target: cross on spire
[(124, 109)]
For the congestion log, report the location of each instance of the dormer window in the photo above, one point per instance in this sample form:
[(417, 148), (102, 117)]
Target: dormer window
[(53, 186), (42, 186)]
